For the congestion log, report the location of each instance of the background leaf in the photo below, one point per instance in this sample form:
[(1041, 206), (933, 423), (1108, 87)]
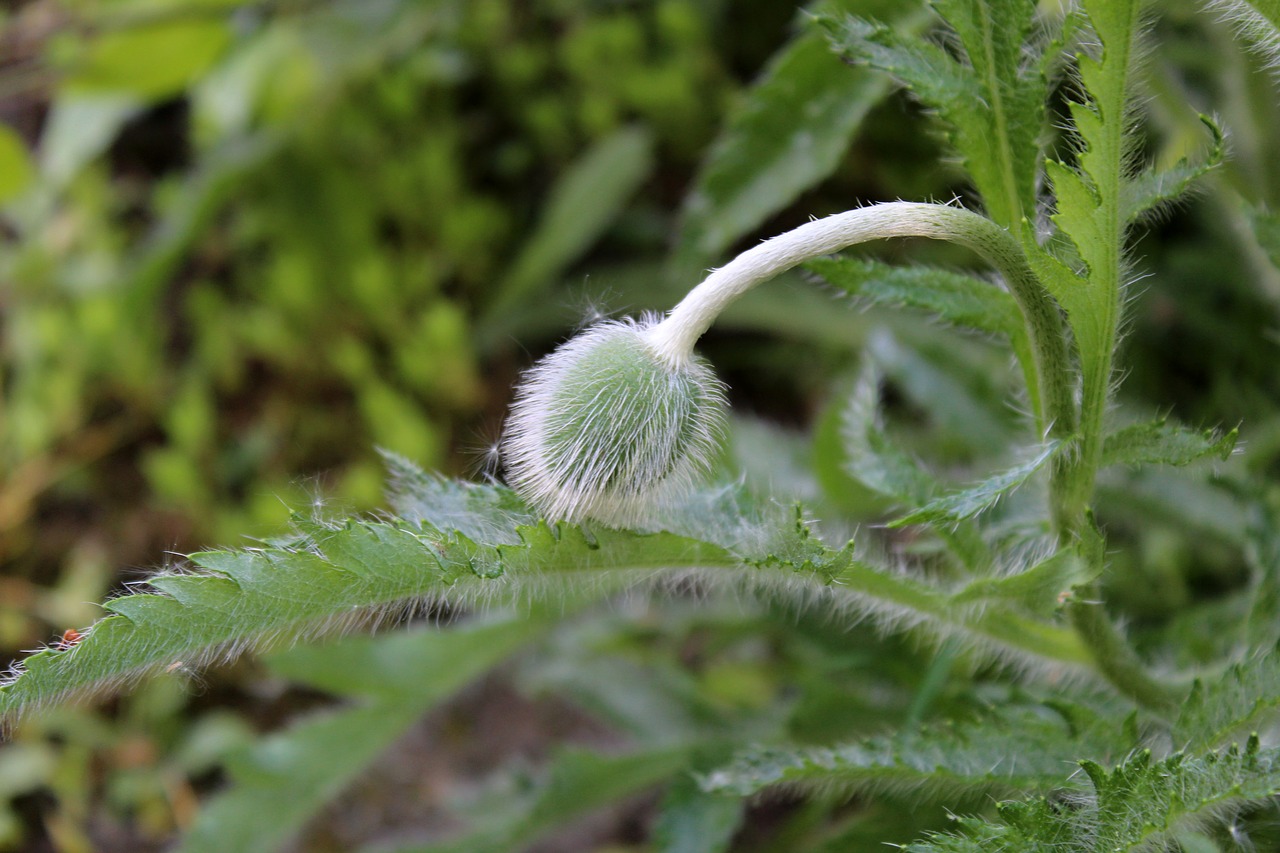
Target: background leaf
[(149, 61), (1137, 802), (795, 125), (692, 821), (16, 170), (1012, 750), (285, 778), (1163, 443), (581, 205)]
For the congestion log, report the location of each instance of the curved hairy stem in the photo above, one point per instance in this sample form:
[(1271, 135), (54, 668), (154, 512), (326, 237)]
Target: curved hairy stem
[(1116, 659), (1048, 379)]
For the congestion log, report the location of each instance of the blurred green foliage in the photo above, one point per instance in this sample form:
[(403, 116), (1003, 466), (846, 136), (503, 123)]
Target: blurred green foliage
[(245, 244), (248, 243), (253, 240)]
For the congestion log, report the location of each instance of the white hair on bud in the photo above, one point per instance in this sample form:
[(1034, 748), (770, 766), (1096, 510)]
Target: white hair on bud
[(607, 428)]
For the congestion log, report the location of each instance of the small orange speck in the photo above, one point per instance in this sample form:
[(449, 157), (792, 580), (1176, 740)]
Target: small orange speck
[(69, 638)]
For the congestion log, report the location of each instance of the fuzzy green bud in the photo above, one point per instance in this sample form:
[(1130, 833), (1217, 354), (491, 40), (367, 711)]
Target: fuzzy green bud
[(622, 418), (608, 428)]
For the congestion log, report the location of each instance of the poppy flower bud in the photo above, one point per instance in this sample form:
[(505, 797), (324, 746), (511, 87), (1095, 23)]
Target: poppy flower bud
[(608, 428)]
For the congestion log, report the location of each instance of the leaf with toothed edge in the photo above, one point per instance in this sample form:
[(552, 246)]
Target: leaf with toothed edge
[(1009, 751), (1137, 803), (334, 577), (991, 99), (1162, 443), (981, 496), (880, 465), (1244, 699), (1153, 188), (952, 297)]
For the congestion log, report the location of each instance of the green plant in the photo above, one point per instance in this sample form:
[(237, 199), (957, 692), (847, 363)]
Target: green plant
[(1019, 669)]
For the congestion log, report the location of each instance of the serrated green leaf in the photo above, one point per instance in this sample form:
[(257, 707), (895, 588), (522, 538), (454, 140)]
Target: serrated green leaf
[(282, 780), (230, 601), (582, 204), (240, 599), (1162, 443), (791, 131), (952, 297), (981, 496), (1006, 752), (994, 34), (479, 512), (923, 67), (1137, 803), (877, 463), (1089, 212), (1244, 699), (994, 102), (1154, 188)]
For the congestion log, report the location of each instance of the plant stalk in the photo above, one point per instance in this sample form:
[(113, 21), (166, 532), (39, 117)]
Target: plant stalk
[(1115, 658), (1049, 379)]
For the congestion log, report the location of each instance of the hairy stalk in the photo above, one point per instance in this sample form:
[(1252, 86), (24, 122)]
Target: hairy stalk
[(1115, 658), (1096, 315), (1049, 381)]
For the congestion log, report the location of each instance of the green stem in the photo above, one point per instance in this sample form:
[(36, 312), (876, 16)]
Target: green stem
[(1115, 658), (1049, 379), (1095, 318)]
